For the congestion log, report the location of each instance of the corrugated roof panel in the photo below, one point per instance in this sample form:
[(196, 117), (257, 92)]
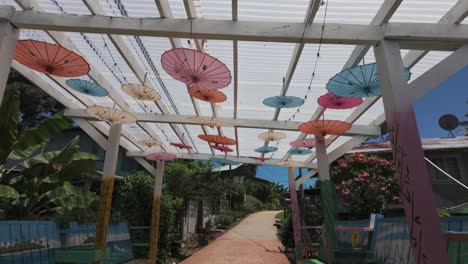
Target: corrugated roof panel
[(422, 11)]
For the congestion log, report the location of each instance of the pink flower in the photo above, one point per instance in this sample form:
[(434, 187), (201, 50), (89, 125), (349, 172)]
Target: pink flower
[(383, 188), (396, 199), (364, 174), (390, 179), (345, 203), (337, 188), (345, 192), (343, 166), (372, 185)]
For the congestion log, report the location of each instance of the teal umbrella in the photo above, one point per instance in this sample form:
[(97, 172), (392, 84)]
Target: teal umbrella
[(266, 149), (358, 82), (299, 151), (87, 87)]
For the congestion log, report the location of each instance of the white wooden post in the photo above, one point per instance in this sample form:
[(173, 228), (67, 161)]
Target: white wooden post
[(8, 37), (156, 212), (427, 240), (107, 187), (326, 198)]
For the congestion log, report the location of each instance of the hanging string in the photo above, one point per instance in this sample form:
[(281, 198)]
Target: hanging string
[(116, 65), (314, 70)]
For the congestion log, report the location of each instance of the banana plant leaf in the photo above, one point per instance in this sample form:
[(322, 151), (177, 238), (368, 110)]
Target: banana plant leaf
[(32, 138), (8, 192), (9, 111)]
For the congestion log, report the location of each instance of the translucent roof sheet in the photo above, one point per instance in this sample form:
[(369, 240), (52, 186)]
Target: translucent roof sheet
[(261, 66)]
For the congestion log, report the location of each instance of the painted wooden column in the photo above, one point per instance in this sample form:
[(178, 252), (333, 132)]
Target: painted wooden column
[(427, 240), (8, 37), (295, 215), (326, 197), (107, 187), (156, 212)]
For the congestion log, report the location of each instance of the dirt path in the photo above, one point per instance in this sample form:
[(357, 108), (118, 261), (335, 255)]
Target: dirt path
[(252, 241)]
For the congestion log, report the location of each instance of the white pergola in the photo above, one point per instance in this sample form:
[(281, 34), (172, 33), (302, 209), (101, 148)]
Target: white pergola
[(262, 42)]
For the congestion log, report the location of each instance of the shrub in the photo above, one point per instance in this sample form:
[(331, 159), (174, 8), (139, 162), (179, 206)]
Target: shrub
[(224, 219), (252, 205), (367, 184)]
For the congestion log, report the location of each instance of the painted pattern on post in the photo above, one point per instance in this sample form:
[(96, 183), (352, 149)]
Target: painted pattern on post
[(296, 219), (156, 212), (102, 223)]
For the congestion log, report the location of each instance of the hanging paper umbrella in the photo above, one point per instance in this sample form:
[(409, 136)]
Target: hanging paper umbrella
[(50, 58), (266, 149), (181, 145), (224, 162), (261, 158), (358, 82), (111, 115), (307, 143), (299, 151), (271, 136), (161, 156), (212, 96), (213, 123), (141, 92), (217, 139), (150, 143), (324, 127), (283, 101), (196, 69), (332, 101), (87, 87), (222, 148), (290, 164)]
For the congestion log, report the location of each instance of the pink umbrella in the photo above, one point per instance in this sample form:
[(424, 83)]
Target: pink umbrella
[(332, 101), (161, 156), (261, 159), (307, 143), (181, 145), (222, 148), (196, 68)]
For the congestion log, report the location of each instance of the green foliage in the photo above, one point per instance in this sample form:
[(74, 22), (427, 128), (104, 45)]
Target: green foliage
[(252, 204), (225, 218), (35, 105), (285, 233), (270, 195), (443, 212), (367, 184), (9, 110), (38, 186)]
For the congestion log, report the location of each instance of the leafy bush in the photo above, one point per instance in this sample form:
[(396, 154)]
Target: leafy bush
[(225, 219), (367, 184), (252, 205)]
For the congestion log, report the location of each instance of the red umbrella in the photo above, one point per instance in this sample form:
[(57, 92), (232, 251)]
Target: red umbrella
[(307, 143), (161, 156), (216, 139), (196, 69), (50, 59), (181, 145), (332, 101), (222, 148), (324, 127), (212, 96)]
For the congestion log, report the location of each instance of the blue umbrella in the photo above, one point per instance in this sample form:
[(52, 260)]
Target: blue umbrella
[(87, 87), (283, 101), (299, 151), (223, 162), (358, 82), (266, 149)]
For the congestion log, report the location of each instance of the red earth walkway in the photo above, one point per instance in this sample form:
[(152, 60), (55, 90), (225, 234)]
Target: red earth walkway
[(252, 241)]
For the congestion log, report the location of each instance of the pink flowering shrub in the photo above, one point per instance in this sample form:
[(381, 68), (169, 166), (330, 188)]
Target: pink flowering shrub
[(366, 183)]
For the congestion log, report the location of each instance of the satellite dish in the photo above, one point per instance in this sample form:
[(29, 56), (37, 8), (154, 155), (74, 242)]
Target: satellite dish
[(449, 122)]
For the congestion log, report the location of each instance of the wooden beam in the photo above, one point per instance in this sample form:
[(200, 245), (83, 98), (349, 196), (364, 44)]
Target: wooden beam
[(107, 187), (371, 131), (208, 157), (408, 155), (295, 215), (156, 212), (8, 37)]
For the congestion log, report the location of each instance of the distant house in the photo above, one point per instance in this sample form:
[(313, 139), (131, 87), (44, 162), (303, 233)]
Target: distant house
[(448, 154)]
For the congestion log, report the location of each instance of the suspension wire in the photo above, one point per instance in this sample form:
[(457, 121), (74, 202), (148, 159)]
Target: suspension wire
[(312, 77)]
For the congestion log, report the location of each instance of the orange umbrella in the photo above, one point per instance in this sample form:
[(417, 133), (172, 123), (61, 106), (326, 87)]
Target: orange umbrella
[(324, 127), (217, 139), (50, 59), (212, 96)]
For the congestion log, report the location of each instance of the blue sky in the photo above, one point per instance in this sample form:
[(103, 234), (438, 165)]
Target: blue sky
[(447, 98)]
